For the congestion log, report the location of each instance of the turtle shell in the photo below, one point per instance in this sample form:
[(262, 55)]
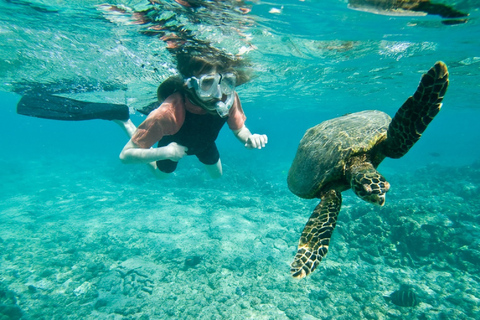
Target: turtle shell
[(324, 150), (391, 7)]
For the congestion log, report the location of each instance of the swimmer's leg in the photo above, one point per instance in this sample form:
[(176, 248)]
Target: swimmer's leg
[(210, 157), (127, 126), (48, 106), (215, 170), (158, 173)]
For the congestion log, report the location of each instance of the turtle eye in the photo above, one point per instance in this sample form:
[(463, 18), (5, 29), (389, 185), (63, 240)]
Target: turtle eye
[(367, 188)]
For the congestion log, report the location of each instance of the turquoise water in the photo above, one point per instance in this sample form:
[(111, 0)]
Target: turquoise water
[(83, 236)]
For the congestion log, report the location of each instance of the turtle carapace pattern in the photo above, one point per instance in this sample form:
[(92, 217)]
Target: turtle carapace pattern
[(344, 152)]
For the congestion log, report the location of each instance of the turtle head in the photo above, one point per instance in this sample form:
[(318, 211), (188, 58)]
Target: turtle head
[(370, 186)]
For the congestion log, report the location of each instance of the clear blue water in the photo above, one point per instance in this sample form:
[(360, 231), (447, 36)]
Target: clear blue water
[(83, 236)]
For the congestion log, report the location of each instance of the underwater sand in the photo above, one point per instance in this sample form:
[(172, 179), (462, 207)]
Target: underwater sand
[(127, 246)]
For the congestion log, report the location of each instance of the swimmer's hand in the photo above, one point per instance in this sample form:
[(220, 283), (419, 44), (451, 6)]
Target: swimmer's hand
[(256, 141), (251, 141), (176, 151)]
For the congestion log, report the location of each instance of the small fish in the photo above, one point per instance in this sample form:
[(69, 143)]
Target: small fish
[(192, 262), (403, 297)]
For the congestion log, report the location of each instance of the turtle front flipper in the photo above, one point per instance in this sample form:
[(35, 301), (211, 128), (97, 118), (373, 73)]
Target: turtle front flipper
[(315, 238), (417, 112), (442, 10)]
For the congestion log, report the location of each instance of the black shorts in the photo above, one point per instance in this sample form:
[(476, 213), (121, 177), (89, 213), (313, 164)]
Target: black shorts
[(208, 155)]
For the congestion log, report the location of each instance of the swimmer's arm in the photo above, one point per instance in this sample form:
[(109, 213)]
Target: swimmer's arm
[(129, 128), (132, 153), (251, 141)]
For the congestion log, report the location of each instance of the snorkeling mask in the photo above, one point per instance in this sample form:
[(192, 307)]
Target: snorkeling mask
[(215, 86)]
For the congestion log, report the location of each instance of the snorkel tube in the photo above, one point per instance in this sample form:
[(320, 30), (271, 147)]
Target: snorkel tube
[(223, 108)]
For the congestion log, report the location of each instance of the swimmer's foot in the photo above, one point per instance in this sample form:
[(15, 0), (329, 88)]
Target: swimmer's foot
[(42, 105)]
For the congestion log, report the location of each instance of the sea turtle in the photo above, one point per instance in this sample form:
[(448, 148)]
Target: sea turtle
[(406, 8), (344, 152)]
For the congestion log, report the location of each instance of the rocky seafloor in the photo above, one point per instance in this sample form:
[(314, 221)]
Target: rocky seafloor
[(85, 239)]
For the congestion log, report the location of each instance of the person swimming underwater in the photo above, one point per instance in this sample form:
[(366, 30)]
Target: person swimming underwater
[(190, 118)]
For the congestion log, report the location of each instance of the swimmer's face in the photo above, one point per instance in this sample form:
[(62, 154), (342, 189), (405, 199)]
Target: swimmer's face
[(211, 87)]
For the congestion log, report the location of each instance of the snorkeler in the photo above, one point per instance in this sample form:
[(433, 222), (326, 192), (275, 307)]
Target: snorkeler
[(196, 107)]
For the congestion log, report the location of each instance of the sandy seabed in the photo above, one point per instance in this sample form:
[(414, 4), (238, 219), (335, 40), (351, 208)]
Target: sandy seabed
[(85, 239)]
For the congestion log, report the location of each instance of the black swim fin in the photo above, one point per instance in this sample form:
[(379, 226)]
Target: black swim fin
[(59, 108)]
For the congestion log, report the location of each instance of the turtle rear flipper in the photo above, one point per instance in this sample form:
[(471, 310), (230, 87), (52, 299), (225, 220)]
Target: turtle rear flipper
[(316, 235), (417, 112)]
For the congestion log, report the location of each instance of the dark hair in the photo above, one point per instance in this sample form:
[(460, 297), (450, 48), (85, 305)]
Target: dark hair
[(195, 63), (169, 86)]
